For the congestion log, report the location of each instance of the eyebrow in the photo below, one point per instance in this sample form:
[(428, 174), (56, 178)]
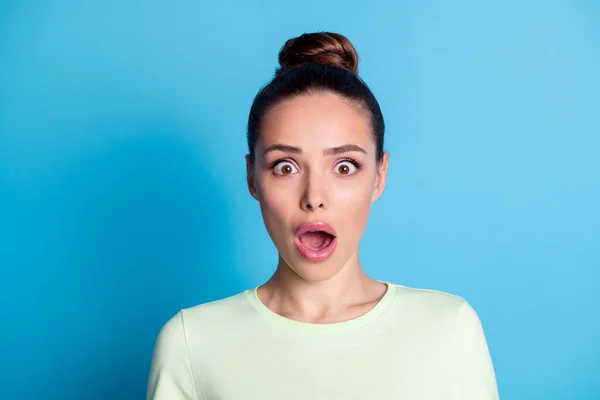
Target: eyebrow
[(327, 152)]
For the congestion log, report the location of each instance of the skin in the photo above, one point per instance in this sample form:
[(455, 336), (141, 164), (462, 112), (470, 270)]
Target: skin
[(312, 186)]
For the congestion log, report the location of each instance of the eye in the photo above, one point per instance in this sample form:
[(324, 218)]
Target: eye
[(347, 167), (284, 168)]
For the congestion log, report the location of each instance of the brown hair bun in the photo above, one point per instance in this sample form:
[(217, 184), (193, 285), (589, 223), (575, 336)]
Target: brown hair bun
[(327, 48)]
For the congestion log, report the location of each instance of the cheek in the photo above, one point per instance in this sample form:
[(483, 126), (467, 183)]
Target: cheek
[(276, 205), (353, 205)]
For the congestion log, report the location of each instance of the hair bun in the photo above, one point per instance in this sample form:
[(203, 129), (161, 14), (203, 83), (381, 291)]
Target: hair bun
[(327, 48)]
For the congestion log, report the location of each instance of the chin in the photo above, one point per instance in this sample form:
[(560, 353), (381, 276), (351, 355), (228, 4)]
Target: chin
[(313, 271)]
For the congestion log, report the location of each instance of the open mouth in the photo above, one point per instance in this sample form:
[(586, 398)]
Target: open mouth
[(316, 240)]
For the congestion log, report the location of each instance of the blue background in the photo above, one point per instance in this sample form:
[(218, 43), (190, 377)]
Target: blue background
[(123, 199)]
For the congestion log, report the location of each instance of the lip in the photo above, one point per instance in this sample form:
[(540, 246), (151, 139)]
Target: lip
[(315, 226), (308, 253)]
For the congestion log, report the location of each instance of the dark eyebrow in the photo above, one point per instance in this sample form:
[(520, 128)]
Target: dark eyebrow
[(343, 149), (283, 147), (328, 152)]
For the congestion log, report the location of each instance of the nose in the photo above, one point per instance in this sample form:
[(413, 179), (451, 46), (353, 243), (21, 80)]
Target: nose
[(315, 193)]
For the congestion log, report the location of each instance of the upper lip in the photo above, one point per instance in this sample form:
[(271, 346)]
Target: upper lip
[(315, 226)]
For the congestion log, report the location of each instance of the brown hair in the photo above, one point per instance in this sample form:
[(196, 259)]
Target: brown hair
[(323, 48), (316, 62)]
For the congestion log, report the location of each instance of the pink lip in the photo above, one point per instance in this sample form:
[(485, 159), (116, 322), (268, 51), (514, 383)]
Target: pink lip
[(315, 226), (308, 253)]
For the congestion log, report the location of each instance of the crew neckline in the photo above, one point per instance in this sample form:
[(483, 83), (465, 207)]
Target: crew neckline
[(310, 327)]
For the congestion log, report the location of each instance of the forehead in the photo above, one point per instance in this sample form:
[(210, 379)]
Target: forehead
[(316, 120)]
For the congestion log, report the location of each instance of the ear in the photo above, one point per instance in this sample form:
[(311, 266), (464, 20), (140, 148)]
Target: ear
[(382, 169), (250, 178)]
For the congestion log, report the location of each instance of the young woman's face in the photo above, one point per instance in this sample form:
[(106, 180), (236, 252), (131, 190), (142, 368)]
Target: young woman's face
[(297, 178)]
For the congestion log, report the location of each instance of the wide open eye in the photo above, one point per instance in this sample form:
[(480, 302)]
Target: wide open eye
[(346, 167), (284, 168)]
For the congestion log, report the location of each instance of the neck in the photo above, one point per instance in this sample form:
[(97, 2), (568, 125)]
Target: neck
[(349, 291)]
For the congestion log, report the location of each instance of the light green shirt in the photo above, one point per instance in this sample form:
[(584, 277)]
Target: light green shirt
[(415, 344)]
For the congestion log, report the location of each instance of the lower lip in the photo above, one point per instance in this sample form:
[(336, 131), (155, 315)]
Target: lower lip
[(316, 255)]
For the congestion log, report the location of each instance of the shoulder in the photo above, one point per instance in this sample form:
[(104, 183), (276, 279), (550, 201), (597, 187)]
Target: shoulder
[(428, 305), (204, 318), (428, 298), (189, 332), (448, 323)]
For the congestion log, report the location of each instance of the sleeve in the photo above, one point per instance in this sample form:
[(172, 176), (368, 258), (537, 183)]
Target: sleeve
[(171, 375), (471, 370)]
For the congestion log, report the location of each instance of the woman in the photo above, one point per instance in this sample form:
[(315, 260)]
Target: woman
[(320, 328)]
